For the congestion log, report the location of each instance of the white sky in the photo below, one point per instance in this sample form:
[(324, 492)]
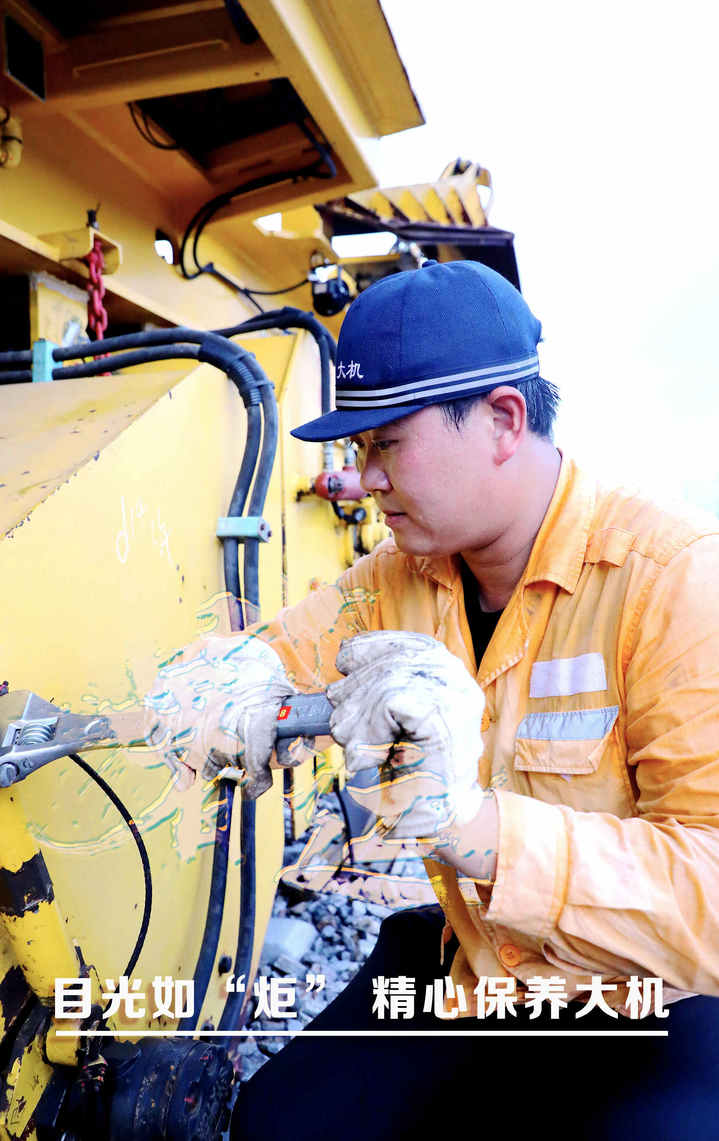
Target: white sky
[(599, 125)]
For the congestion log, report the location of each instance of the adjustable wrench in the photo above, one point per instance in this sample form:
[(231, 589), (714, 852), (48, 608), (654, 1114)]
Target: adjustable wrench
[(34, 731)]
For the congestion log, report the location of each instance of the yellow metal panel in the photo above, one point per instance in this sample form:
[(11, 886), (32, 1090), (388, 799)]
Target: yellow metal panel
[(194, 68), (73, 246), (362, 40), (49, 431), (454, 199), (58, 311), (110, 573), (434, 206), (409, 201), (131, 211), (291, 31), (453, 205), (381, 204)]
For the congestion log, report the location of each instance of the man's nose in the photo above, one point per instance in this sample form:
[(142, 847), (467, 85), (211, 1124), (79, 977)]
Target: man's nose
[(373, 476)]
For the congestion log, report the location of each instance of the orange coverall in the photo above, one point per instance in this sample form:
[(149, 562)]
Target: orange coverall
[(601, 738)]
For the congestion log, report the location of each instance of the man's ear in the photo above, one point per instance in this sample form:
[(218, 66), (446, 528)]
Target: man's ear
[(509, 414)]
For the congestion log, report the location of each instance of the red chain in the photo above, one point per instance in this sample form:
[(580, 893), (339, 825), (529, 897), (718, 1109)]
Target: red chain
[(96, 311)]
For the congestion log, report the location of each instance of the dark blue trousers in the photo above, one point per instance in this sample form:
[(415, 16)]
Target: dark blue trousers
[(389, 1088)]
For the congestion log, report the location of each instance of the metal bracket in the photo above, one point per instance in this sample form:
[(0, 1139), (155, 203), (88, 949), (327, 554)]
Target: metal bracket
[(42, 362), (244, 527), (73, 246)]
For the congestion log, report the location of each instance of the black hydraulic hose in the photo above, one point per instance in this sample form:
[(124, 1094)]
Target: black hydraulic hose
[(257, 500), (285, 318), (23, 357), (239, 366), (216, 901), (175, 335), (230, 546), (290, 318), (233, 1012), (121, 360), (16, 374), (18, 356), (124, 360)]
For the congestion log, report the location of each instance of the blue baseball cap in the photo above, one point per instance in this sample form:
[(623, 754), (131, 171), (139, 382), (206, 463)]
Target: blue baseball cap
[(423, 337)]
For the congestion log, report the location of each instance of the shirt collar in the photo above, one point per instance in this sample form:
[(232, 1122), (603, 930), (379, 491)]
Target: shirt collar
[(560, 546)]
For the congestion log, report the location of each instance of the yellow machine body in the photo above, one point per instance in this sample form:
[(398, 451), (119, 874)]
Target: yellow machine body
[(111, 487)]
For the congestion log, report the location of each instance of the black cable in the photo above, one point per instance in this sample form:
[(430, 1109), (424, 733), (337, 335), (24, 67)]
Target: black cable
[(139, 942), (212, 269), (249, 296), (324, 168), (146, 133), (276, 292)]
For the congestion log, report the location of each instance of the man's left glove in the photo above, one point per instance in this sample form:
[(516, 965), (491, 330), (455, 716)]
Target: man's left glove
[(215, 705), (406, 700)]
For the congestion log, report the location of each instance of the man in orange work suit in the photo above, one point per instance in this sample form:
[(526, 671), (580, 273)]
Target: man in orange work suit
[(537, 660)]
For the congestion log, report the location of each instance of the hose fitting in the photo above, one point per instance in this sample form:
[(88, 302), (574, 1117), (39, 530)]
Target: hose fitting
[(11, 140)]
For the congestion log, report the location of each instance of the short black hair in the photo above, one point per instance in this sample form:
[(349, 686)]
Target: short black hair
[(541, 397)]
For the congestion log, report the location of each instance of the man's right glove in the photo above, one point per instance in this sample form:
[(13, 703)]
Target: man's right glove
[(406, 700), (215, 705)]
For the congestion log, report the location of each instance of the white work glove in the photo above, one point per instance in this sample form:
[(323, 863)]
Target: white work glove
[(215, 705), (409, 689)]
